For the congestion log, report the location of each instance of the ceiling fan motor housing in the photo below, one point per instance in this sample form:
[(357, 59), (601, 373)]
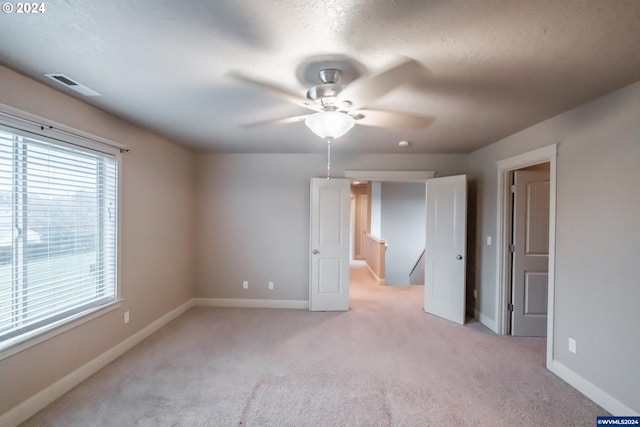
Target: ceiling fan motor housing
[(317, 93), (326, 92), (330, 76)]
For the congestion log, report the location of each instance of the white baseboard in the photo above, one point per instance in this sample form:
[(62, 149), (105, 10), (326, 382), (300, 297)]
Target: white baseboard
[(39, 401), (251, 303), (486, 321), (379, 281), (592, 391)]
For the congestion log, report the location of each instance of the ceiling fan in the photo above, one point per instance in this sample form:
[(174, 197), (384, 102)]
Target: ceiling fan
[(337, 108)]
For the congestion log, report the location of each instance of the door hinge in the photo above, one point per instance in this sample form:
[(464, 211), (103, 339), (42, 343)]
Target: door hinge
[(512, 248), (509, 307), (513, 189)]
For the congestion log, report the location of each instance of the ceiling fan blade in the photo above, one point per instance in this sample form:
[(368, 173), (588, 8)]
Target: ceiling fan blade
[(281, 91), (365, 90), (278, 121), (390, 119)]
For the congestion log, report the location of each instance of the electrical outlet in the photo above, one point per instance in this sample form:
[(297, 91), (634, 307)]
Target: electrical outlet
[(270, 286), (488, 240), (572, 345), (126, 317), (245, 284)]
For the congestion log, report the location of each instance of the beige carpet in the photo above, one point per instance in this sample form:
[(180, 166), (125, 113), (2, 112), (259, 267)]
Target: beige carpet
[(385, 362)]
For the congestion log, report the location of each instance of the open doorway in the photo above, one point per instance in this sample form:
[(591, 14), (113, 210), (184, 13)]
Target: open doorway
[(504, 257), (388, 219), (445, 216), (387, 230)]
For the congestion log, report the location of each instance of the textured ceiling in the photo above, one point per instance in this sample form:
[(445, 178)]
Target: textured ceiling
[(496, 66)]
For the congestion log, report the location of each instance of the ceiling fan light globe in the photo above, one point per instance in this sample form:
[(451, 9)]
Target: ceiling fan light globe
[(330, 124)]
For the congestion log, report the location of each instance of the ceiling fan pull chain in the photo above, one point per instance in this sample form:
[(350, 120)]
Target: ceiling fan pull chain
[(329, 158)]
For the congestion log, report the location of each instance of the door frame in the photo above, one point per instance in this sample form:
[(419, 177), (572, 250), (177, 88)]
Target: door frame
[(393, 176), (505, 167)]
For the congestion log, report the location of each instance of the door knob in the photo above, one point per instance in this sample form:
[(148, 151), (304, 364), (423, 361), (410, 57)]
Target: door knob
[(459, 257), (315, 251)]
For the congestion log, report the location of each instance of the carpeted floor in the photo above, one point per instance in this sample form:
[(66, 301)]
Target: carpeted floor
[(383, 363)]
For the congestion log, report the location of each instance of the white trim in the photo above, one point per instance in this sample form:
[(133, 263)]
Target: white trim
[(379, 281), (403, 176), (32, 123), (28, 340), (39, 401), (251, 303), (593, 392), (541, 155)]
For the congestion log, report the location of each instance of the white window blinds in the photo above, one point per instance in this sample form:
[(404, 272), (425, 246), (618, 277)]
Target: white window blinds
[(57, 233)]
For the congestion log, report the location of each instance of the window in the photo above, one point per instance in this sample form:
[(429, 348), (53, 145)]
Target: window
[(58, 229)]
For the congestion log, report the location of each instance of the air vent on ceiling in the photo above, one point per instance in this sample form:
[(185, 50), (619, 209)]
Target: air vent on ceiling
[(71, 84)]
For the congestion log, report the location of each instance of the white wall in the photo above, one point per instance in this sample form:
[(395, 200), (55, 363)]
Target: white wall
[(253, 217), (597, 237), (403, 228), (376, 208), (157, 256)]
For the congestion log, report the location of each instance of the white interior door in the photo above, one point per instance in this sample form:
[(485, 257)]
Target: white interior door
[(329, 262), (445, 248), (530, 272)]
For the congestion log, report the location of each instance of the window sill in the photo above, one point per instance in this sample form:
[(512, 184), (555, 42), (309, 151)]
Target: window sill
[(20, 343)]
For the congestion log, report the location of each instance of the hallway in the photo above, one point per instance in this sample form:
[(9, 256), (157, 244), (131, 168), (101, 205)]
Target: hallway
[(364, 291)]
